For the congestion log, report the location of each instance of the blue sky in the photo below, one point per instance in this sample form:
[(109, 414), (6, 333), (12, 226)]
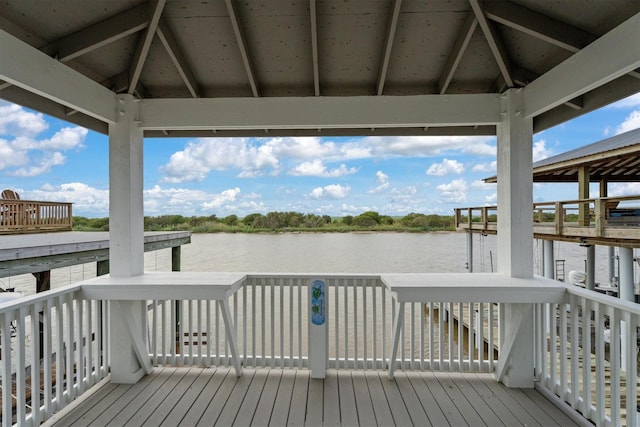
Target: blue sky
[(48, 159)]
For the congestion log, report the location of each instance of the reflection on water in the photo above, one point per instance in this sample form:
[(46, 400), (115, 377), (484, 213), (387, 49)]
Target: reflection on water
[(329, 252)]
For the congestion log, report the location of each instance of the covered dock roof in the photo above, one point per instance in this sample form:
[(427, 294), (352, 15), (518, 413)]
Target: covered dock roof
[(614, 159)]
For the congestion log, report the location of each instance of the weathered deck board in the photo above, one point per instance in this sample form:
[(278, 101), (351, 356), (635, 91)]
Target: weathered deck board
[(205, 396)]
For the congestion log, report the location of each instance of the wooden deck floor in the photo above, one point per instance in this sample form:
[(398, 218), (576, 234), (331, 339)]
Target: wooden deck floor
[(263, 397)]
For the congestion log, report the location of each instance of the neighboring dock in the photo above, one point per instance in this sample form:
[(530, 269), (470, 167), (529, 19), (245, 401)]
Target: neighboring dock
[(40, 253)]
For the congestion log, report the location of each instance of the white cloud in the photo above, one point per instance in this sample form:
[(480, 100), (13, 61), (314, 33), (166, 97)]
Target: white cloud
[(26, 154), (491, 199), (382, 181), (86, 200), (226, 197), (429, 145), (318, 168), (540, 150), (44, 165), (16, 121), (629, 102), (445, 167), (454, 191), (486, 167), (619, 189), (335, 191), (631, 122), (484, 186)]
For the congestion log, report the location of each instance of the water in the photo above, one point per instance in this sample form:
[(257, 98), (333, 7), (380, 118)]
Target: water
[(329, 253)]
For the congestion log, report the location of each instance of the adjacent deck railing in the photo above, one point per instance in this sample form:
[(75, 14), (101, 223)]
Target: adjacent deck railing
[(584, 220), (28, 216), (573, 356)]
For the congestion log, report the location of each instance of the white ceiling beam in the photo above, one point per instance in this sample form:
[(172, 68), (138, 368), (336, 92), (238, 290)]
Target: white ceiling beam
[(464, 36), (611, 56), (494, 41), (143, 46), (320, 112), (32, 70), (99, 34), (242, 46), (313, 15), (388, 45), (178, 59)]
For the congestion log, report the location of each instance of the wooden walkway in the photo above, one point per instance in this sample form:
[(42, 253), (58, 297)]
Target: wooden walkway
[(275, 397)]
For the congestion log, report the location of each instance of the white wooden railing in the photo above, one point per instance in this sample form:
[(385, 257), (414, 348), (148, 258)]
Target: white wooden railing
[(53, 347), (270, 313), (587, 355), (271, 318)]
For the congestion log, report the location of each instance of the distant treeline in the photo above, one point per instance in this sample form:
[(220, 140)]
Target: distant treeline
[(281, 221)]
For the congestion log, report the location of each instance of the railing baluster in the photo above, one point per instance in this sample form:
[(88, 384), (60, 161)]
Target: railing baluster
[(422, 313), (364, 324), (47, 352), (244, 324), (384, 329), (5, 337), (600, 379), (346, 325), (281, 329), (470, 344), (586, 358), (374, 328), (614, 367), (431, 335), (412, 338), (20, 396), (631, 334), (253, 323), (450, 314), (356, 338), (300, 324), (34, 315), (441, 336), (209, 357), (563, 351), (272, 350), (553, 332), (575, 341), (291, 353), (480, 340), (80, 363)]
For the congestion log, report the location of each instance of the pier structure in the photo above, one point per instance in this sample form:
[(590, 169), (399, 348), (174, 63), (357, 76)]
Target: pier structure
[(608, 221), (40, 253)]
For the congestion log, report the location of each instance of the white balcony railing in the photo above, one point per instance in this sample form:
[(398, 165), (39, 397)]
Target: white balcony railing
[(270, 316), (587, 354)]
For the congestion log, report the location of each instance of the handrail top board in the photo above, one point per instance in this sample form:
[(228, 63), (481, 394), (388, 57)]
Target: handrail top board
[(164, 285), (473, 287)]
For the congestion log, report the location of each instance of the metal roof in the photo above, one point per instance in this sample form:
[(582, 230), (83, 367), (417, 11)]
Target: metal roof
[(218, 49), (615, 159)]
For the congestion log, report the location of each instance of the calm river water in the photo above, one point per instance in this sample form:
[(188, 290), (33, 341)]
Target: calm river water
[(329, 253)]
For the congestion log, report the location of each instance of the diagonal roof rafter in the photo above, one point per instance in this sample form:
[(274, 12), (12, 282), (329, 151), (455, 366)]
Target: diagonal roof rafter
[(388, 46), (495, 42), (242, 46), (313, 17), (178, 59), (464, 36), (143, 45)]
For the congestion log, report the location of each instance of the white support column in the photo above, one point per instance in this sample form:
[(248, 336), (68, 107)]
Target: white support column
[(470, 252), (591, 267), (515, 188), (625, 286), (126, 215), (548, 259), (612, 264), (515, 231), (126, 233), (625, 292)]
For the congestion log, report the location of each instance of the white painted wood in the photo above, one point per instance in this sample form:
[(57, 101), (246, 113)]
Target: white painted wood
[(516, 365), (319, 112), (515, 192), (35, 71), (467, 287), (611, 56), (126, 213)]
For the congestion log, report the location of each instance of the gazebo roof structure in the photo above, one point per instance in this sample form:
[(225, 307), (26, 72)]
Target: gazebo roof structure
[(280, 67)]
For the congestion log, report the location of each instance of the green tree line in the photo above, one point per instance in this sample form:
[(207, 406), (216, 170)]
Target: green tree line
[(281, 222)]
